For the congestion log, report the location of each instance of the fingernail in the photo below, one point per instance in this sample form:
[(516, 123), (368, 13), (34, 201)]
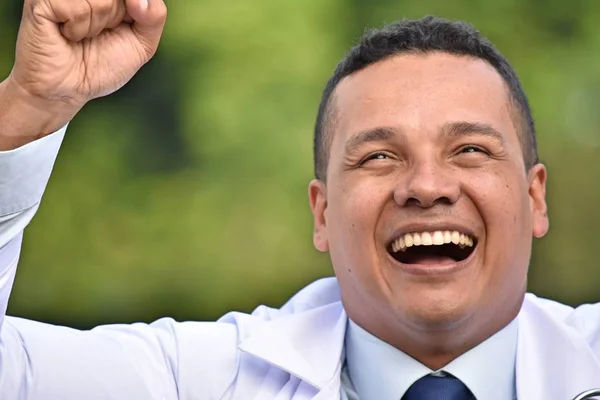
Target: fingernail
[(144, 5)]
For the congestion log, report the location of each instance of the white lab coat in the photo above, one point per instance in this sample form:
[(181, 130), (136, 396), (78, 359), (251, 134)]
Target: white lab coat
[(295, 352)]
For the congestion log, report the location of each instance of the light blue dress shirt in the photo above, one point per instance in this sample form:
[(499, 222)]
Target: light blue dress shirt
[(377, 371)]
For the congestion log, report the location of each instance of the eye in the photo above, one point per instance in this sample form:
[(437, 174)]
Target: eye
[(470, 148), (375, 156)]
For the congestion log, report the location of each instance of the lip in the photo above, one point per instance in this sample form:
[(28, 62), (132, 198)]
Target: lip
[(433, 269)]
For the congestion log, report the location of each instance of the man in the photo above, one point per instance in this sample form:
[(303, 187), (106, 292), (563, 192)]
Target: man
[(427, 195)]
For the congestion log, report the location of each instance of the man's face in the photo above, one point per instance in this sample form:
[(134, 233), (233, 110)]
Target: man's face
[(428, 211)]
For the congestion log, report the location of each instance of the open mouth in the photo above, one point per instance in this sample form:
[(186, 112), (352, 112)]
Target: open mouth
[(429, 248)]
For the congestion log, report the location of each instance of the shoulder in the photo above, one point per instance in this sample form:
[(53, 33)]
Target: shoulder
[(583, 319), (557, 310), (206, 347), (316, 295), (202, 358)]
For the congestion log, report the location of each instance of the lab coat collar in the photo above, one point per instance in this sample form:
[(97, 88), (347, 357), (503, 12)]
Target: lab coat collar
[(554, 361), (308, 345)]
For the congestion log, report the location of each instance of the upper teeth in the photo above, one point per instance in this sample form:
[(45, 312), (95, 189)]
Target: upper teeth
[(436, 238)]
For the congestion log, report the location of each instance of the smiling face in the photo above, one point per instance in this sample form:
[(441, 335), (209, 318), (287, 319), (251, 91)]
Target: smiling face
[(425, 150)]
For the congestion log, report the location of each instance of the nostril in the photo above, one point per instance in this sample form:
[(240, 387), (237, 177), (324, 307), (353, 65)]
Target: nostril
[(413, 202), (425, 203), (444, 201)]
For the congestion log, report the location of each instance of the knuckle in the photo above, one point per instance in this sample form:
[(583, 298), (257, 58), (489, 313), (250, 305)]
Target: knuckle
[(81, 12), (38, 8), (103, 7), (162, 10)]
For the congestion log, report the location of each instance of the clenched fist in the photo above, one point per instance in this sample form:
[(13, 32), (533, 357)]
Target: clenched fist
[(77, 50), (71, 51)]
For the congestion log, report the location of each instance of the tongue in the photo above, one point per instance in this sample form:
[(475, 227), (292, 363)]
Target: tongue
[(423, 259)]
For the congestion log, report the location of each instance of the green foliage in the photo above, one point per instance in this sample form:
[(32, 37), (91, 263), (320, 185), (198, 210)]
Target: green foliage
[(185, 193)]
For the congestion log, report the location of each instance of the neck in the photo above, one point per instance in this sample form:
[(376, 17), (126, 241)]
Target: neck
[(435, 346)]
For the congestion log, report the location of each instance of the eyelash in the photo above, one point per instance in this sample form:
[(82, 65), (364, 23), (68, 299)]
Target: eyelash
[(374, 156), (463, 150), (477, 149)]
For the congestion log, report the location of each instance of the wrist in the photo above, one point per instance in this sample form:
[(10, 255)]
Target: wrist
[(25, 118)]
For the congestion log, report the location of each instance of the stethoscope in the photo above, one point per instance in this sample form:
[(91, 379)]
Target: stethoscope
[(588, 394)]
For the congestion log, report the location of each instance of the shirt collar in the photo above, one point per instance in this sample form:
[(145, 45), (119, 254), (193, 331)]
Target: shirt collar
[(379, 371)]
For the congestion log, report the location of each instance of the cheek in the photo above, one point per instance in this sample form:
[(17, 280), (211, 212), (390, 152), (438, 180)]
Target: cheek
[(358, 203), (353, 215), (503, 202)]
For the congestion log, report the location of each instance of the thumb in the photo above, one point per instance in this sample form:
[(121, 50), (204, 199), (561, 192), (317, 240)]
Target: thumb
[(149, 18)]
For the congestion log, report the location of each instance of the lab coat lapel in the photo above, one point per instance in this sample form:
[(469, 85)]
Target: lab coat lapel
[(308, 345), (553, 360)]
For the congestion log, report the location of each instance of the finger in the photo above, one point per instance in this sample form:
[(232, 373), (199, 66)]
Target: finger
[(120, 16), (81, 19), (149, 18), (103, 12), (125, 19), (75, 17)]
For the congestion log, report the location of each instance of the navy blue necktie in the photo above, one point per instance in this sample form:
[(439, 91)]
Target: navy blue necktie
[(438, 388)]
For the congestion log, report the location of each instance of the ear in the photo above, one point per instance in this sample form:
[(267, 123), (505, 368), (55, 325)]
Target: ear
[(537, 200), (317, 195)]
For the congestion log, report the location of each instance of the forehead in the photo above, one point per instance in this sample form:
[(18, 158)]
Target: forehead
[(421, 92)]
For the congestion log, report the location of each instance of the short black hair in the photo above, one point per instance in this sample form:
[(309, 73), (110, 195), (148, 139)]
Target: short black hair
[(429, 34)]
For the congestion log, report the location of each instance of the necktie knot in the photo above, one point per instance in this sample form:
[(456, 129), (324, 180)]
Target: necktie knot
[(438, 388)]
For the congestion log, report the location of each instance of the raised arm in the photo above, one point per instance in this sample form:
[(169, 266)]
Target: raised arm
[(24, 174), (68, 53)]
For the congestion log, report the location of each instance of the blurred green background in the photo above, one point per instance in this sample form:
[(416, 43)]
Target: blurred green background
[(184, 194)]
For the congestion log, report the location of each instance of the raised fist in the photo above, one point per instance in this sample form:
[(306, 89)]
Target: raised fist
[(72, 51)]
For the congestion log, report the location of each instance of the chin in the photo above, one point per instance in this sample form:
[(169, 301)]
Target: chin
[(433, 313)]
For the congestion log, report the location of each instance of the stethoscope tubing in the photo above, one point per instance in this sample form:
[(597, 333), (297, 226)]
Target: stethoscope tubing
[(588, 394)]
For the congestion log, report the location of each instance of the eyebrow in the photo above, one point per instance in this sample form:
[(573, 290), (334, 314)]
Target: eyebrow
[(378, 134), (464, 128), (450, 129)]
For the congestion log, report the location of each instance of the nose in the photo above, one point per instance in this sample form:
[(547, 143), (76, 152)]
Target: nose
[(426, 185)]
